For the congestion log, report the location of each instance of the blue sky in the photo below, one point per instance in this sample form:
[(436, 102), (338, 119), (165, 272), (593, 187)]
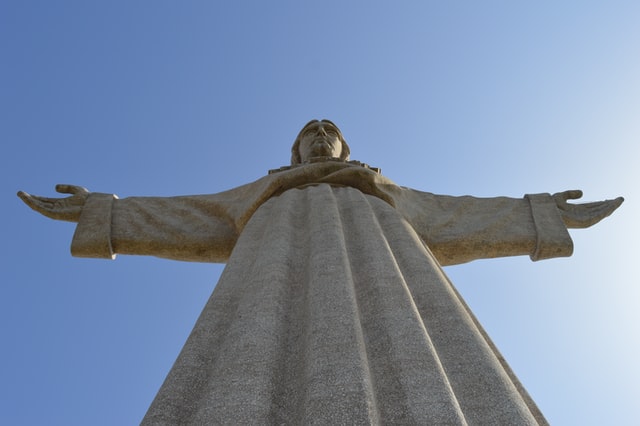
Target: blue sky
[(170, 98)]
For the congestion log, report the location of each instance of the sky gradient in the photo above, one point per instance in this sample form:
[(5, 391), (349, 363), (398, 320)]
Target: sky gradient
[(173, 98)]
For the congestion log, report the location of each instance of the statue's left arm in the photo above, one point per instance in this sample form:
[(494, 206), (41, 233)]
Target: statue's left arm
[(461, 229)]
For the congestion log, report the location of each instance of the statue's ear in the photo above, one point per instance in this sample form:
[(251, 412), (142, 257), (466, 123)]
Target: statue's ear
[(344, 154), (295, 153)]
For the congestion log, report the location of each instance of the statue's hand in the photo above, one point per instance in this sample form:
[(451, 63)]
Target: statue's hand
[(68, 209), (583, 215)]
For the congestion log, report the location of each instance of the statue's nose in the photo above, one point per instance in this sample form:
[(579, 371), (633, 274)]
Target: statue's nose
[(321, 131)]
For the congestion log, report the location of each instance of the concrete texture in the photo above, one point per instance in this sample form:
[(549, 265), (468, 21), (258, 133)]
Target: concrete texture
[(333, 308), (333, 311)]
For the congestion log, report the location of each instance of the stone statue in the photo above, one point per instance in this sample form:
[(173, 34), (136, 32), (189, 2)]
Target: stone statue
[(333, 307)]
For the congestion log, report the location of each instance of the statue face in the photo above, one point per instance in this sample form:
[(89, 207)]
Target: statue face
[(320, 139)]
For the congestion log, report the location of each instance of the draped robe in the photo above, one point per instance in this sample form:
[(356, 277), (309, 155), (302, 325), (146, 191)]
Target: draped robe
[(333, 307)]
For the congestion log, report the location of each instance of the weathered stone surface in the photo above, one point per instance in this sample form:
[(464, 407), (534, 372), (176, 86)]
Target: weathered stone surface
[(333, 308), (332, 311)]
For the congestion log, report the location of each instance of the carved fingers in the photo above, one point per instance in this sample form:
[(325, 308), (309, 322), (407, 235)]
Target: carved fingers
[(586, 214), (68, 208)]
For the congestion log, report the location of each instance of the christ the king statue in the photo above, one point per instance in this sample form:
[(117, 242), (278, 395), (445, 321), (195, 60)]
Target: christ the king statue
[(333, 307)]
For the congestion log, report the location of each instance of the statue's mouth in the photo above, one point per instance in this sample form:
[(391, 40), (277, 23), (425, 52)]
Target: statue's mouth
[(322, 146), (322, 142)]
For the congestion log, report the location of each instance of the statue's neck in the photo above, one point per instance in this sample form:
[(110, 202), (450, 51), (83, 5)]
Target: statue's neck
[(325, 159)]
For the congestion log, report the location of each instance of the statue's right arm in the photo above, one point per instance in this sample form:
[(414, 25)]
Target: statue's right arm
[(193, 228)]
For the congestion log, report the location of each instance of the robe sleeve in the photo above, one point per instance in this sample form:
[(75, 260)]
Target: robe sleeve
[(192, 228), (461, 229)]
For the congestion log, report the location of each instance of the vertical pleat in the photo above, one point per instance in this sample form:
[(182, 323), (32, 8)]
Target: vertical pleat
[(408, 376), (332, 311), (479, 380), (333, 383)]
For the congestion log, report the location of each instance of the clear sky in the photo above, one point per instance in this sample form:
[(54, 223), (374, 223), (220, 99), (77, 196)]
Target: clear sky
[(171, 98)]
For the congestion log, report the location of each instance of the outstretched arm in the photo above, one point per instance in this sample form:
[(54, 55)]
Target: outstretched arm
[(460, 229), (193, 228), (586, 214), (68, 209)]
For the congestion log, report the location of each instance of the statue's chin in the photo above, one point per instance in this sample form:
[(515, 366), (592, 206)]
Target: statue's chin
[(322, 151), (321, 158)]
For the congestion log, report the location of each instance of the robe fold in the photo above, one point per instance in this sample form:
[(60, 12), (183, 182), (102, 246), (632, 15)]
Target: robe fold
[(333, 307)]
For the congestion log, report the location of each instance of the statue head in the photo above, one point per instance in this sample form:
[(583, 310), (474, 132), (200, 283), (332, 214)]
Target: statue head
[(319, 138)]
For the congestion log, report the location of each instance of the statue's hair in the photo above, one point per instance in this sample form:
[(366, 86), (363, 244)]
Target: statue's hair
[(295, 151)]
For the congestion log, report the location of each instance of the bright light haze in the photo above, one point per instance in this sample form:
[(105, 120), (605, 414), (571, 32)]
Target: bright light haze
[(173, 98)]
